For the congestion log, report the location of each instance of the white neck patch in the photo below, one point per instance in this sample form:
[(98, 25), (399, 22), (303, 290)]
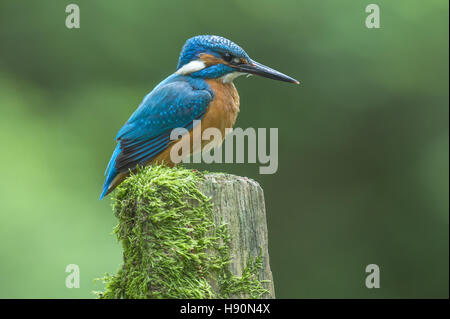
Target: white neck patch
[(191, 67), (228, 78)]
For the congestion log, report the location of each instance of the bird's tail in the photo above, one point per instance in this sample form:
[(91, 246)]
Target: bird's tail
[(110, 172)]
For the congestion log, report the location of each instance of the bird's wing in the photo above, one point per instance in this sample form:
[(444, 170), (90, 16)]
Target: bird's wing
[(147, 132)]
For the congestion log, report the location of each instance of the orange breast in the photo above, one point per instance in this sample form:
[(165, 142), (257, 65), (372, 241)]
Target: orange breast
[(224, 108)]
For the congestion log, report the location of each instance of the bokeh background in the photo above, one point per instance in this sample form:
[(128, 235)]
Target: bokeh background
[(363, 142)]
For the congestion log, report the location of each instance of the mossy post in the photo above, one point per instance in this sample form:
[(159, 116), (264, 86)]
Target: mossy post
[(187, 234)]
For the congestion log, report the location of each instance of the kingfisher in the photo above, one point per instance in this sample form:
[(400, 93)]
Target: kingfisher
[(200, 91)]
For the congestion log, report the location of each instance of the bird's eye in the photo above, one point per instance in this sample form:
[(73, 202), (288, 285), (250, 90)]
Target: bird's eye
[(227, 57)]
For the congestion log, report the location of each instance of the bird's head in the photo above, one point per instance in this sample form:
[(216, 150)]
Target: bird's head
[(211, 56)]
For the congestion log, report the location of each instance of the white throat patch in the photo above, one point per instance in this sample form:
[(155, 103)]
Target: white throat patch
[(228, 78), (191, 67)]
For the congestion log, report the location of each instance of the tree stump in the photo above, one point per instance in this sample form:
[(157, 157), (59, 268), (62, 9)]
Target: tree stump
[(190, 235)]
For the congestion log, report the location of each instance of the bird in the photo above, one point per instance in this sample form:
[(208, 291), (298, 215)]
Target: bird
[(201, 90)]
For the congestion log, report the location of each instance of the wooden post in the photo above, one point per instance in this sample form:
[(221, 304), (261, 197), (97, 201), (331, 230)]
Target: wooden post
[(189, 235), (239, 202)]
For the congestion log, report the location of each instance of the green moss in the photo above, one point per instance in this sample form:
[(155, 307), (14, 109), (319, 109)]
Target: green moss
[(171, 246)]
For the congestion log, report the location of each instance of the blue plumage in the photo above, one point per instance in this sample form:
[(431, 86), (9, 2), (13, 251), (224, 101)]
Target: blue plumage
[(110, 172), (175, 102)]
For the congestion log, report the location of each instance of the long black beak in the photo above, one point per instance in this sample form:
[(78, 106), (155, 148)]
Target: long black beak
[(259, 69)]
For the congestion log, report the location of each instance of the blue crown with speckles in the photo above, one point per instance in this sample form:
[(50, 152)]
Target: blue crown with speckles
[(212, 44)]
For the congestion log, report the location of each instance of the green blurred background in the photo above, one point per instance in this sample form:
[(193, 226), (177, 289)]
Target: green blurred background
[(363, 142)]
